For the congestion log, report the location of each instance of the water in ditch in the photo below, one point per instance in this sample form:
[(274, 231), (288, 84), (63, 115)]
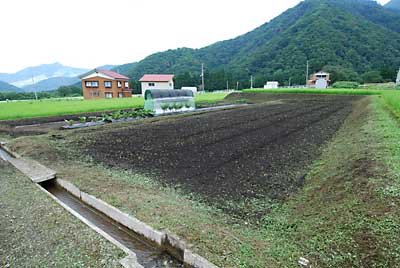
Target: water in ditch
[(147, 255)]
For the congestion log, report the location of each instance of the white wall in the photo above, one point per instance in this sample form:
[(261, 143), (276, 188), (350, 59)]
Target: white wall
[(158, 85)]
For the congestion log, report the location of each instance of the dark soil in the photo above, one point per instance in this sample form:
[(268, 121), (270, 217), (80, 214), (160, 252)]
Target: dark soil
[(40, 125), (256, 151)]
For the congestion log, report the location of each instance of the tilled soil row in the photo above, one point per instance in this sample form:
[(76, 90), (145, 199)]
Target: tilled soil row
[(258, 151)]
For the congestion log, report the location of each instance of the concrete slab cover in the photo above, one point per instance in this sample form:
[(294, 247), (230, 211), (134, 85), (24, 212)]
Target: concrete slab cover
[(35, 171)]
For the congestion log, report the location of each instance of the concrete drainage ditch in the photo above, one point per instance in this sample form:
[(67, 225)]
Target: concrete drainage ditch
[(144, 246)]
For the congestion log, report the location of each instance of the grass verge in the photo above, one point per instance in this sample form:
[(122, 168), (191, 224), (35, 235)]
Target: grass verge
[(362, 92), (36, 232), (347, 214), (392, 101)]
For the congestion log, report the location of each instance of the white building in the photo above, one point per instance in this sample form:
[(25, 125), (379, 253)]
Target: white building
[(157, 81), (271, 85), (193, 89)]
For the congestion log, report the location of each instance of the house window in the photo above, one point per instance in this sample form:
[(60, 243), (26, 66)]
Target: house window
[(152, 84), (92, 84), (126, 84), (170, 84), (107, 84), (119, 84), (94, 94), (120, 95), (108, 95)]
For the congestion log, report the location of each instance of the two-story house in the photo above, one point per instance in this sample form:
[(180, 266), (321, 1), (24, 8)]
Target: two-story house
[(320, 80), (157, 81), (102, 84)]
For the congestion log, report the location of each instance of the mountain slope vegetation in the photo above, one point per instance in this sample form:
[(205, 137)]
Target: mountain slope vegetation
[(352, 39), (52, 84), (5, 87)]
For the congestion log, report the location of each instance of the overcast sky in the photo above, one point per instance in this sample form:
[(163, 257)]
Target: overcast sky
[(90, 33)]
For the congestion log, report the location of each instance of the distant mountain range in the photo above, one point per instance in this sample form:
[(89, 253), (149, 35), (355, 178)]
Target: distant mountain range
[(4, 87), (348, 38), (44, 77), (51, 84), (352, 39), (394, 4)]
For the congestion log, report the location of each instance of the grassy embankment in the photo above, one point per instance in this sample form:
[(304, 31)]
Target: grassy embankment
[(52, 107), (37, 232), (347, 214)]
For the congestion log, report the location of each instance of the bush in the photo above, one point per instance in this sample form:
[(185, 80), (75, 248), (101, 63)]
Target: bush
[(372, 77), (345, 84)]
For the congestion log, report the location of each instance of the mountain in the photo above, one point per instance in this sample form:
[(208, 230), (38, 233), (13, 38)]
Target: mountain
[(7, 87), (124, 68), (345, 37), (394, 4), (51, 84), (39, 73), (107, 67)]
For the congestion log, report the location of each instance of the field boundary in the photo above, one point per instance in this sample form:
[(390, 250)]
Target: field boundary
[(352, 92)]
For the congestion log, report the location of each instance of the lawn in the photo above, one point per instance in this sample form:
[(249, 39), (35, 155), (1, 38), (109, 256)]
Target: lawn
[(51, 107)]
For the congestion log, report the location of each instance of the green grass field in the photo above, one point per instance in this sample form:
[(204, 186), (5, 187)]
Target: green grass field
[(51, 107), (392, 100), (362, 92)]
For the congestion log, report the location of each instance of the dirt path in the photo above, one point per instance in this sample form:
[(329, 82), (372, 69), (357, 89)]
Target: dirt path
[(259, 151)]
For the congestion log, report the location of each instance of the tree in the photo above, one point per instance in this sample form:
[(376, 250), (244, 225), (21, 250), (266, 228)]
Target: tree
[(372, 77), (339, 73), (69, 91)]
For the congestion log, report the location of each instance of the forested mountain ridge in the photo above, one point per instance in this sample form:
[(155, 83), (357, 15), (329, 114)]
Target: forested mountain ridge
[(353, 39)]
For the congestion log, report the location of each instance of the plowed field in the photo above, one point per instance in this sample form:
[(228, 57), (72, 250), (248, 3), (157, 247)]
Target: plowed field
[(258, 151)]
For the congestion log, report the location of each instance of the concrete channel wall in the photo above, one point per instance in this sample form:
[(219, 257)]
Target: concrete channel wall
[(169, 242), (165, 240)]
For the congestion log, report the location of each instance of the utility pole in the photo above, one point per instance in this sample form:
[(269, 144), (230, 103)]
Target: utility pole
[(202, 77), (237, 85), (307, 73), (34, 88), (227, 85), (251, 82)]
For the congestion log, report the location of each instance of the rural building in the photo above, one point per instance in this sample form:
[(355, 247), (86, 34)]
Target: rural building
[(193, 89), (271, 85), (102, 84), (320, 80), (157, 81)]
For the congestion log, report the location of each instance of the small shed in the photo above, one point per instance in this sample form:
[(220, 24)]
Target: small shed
[(271, 85), (162, 101)]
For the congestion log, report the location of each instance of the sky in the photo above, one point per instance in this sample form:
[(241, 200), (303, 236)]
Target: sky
[(91, 33)]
